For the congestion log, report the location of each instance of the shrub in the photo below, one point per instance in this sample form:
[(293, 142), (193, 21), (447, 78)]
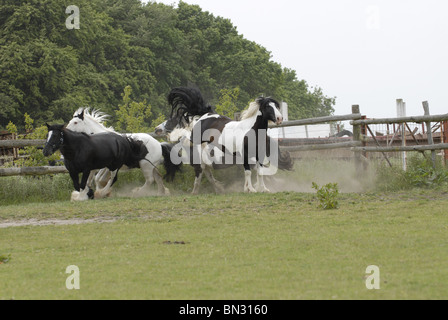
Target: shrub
[(327, 195), (420, 173)]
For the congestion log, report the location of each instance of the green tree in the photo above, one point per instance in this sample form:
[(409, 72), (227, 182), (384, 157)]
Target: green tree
[(47, 71), (227, 105), (131, 115), (11, 127)]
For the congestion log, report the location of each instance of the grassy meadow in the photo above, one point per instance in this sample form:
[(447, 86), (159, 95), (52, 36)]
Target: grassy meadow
[(278, 246)]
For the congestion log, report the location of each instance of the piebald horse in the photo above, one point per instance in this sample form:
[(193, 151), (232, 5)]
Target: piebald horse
[(246, 138), (220, 150)]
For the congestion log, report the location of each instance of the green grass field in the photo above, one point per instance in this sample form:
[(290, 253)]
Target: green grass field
[(233, 246)]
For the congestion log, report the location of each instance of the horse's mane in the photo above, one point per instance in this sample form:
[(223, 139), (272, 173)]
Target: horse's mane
[(95, 115), (251, 110), (186, 102)]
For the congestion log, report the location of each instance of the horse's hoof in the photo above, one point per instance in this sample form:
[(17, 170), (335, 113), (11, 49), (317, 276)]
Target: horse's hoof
[(75, 196), (83, 196), (165, 192), (79, 196), (263, 190)]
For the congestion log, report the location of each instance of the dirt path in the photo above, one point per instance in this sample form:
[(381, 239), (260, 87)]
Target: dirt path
[(53, 222)]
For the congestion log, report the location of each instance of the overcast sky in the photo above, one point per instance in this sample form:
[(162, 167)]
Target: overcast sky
[(361, 52)]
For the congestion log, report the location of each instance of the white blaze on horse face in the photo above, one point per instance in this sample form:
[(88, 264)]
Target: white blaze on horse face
[(278, 115), (50, 133), (161, 128)]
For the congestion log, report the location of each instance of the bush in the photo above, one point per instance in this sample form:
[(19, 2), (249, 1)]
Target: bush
[(327, 196), (420, 173)]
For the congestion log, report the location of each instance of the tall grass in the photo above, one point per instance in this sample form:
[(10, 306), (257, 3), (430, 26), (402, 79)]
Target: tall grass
[(17, 190), (420, 173)]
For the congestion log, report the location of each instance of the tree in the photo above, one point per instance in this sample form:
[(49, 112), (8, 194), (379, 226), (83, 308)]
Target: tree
[(47, 71), (227, 102), (131, 115)]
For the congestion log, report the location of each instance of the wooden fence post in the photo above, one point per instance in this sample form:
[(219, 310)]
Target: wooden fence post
[(357, 138), (401, 113), (445, 140), (429, 129), (15, 151)]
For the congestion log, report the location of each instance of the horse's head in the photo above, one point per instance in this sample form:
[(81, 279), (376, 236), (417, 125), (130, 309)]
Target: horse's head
[(167, 126), (270, 110), (55, 139), (78, 123), (161, 129), (88, 122)]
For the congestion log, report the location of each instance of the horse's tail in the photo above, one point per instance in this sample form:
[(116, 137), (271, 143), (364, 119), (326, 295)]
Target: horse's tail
[(285, 162), (170, 167), (137, 154)]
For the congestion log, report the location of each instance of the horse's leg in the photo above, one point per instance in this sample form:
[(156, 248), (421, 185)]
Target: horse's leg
[(151, 173), (159, 180), (105, 192), (248, 188), (75, 179), (216, 184), (197, 181), (89, 184), (147, 170), (102, 178), (260, 186), (248, 179), (83, 193)]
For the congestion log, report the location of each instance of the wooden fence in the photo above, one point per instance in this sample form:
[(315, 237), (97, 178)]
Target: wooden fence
[(358, 144), (427, 119)]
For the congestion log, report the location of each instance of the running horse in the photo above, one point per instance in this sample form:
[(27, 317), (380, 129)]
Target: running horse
[(217, 142), (84, 153), (158, 153)]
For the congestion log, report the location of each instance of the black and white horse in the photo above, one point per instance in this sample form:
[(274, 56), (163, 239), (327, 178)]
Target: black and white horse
[(246, 138), (84, 153), (217, 142)]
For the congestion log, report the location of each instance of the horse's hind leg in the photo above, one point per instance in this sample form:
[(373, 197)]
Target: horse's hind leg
[(147, 170), (159, 180), (151, 173), (102, 178), (216, 184), (260, 186), (105, 192), (198, 179)]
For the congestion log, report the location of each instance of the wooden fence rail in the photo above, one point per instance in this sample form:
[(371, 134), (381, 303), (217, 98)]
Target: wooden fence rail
[(434, 147), (31, 171), (417, 119), (320, 120), (21, 143)]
